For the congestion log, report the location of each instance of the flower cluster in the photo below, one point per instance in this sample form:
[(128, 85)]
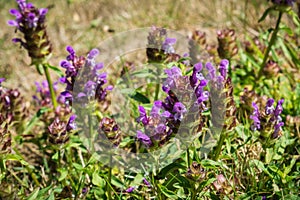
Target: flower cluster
[(31, 22), (268, 121), (90, 79), (159, 45)]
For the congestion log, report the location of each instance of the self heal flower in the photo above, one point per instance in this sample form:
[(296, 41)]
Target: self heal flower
[(269, 106), (167, 46), (130, 189), (143, 116), (179, 110), (31, 22), (146, 182), (269, 122), (255, 117), (145, 139)]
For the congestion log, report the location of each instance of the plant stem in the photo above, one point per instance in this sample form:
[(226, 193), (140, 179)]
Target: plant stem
[(219, 145), (271, 43), (188, 159), (109, 178), (52, 93)]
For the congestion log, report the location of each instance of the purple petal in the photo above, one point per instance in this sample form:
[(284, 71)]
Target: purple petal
[(13, 23), (145, 139)]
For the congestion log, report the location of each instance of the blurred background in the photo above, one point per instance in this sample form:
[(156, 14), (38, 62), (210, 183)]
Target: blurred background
[(83, 24)]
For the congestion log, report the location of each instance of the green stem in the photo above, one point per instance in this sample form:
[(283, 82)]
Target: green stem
[(188, 157), (52, 93), (271, 43), (156, 91), (219, 145), (109, 178)]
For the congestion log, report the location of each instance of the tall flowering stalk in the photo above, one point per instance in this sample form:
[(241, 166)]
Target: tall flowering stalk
[(88, 76), (31, 22)]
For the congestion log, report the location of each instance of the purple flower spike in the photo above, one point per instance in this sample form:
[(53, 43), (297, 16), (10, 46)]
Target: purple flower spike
[(145, 139), (255, 117)]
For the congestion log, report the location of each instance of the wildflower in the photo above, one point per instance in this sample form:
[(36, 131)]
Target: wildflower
[(269, 122), (146, 182), (130, 189), (110, 129), (90, 78), (59, 129), (167, 45), (145, 139), (31, 22), (44, 98)]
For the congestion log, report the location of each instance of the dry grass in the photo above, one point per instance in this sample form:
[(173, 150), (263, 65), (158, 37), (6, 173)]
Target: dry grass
[(84, 24)]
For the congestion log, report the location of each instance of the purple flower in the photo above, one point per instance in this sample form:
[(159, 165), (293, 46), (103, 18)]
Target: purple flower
[(145, 139), (269, 106), (277, 128), (146, 182), (278, 108), (167, 46), (211, 71), (65, 97), (156, 108), (143, 116), (179, 110), (71, 125), (255, 117), (223, 68), (130, 189)]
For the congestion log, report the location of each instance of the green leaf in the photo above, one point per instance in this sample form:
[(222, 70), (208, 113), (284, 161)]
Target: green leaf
[(210, 164), (168, 193), (51, 196), (34, 194), (140, 97), (116, 182), (34, 119), (97, 180), (63, 174), (77, 166), (56, 70), (265, 14), (40, 69), (169, 168)]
